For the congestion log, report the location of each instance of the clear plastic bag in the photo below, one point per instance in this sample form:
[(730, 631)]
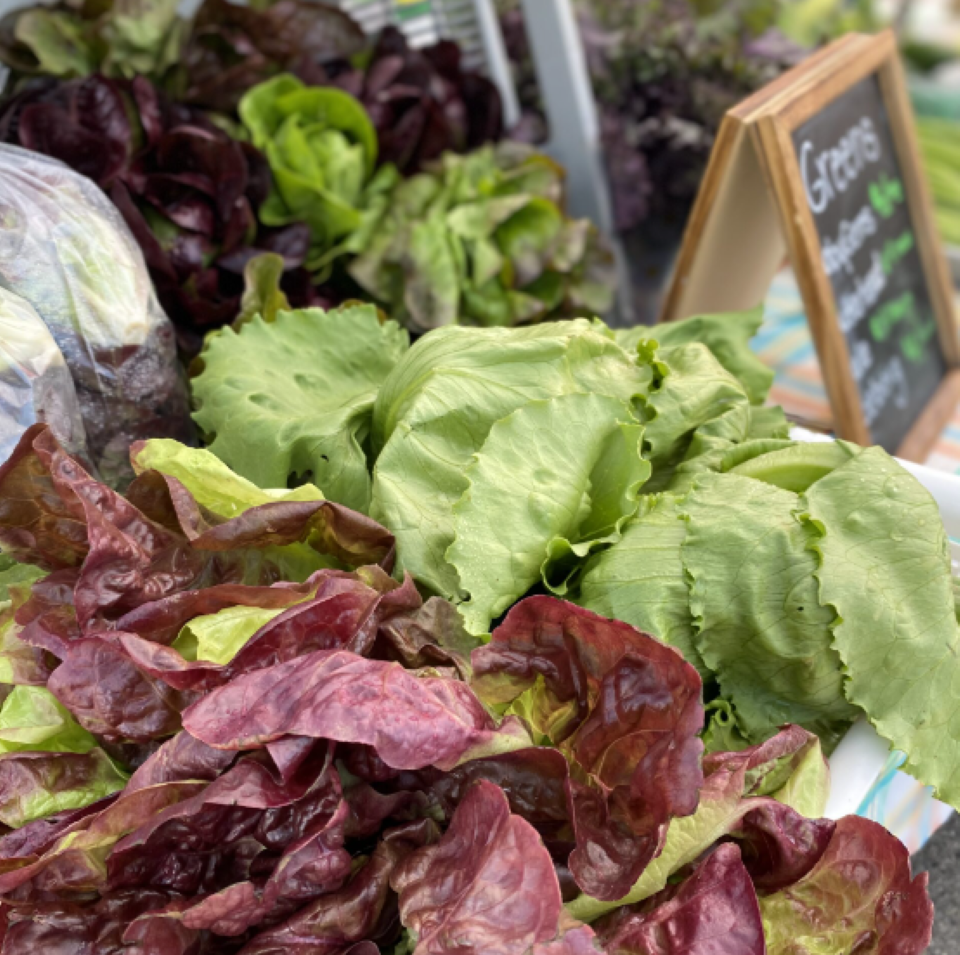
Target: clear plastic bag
[(35, 383), (67, 251)]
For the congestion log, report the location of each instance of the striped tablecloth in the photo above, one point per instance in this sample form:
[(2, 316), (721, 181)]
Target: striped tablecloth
[(783, 342)]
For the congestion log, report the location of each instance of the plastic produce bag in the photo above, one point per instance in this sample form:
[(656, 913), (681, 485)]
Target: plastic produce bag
[(35, 383), (67, 251)]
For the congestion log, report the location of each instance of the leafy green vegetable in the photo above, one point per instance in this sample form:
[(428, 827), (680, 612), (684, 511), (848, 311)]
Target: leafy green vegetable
[(291, 400), (32, 718), (436, 410), (759, 625), (262, 294), (641, 580), (322, 149), (218, 637), (209, 480), (574, 468), (35, 784), (481, 240), (884, 568), (696, 413), (726, 334), (13, 574), (794, 467), (118, 38)]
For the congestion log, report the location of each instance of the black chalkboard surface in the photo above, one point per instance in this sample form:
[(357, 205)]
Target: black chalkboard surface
[(868, 242)]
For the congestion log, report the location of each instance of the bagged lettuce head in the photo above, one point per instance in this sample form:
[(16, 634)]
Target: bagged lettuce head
[(65, 249), (35, 383)]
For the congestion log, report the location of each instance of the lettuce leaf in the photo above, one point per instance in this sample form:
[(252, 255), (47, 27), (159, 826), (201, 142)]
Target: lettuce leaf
[(218, 637), (574, 467), (436, 409), (860, 890), (211, 482), (884, 569), (696, 412), (641, 579), (727, 335), (714, 910), (290, 401), (733, 787), (584, 684), (487, 886), (758, 620), (315, 695), (32, 718), (38, 784)]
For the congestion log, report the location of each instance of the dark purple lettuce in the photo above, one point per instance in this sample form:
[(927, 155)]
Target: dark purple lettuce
[(364, 909), (233, 47), (488, 886), (411, 721), (188, 191), (423, 103), (713, 912), (344, 613), (860, 896), (625, 711)]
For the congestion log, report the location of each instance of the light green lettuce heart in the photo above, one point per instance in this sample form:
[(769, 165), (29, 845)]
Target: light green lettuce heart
[(291, 400), (640, 579), (32, 718), (726, 334), (758, 621), (884, 568), (209, 480), (219, 637), (695, 413), (437, 407), (553, 481)]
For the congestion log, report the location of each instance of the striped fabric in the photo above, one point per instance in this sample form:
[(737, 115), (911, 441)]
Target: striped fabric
[(896, 800)]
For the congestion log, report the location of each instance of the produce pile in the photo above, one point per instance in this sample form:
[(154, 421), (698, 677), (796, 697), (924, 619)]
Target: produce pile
[(227, 729), (664, 73), (641, 477), (279, 129)]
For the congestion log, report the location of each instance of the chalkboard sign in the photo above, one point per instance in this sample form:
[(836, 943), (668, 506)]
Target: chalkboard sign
[(822, 165), (868, 247)]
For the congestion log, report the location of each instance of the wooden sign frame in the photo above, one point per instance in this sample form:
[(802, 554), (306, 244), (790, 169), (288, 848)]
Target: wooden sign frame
[(752, 211)]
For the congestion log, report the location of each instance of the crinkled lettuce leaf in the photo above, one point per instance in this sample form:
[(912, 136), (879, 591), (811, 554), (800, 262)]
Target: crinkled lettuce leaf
[(861, 889), (574, 467), (37, 784), (218, 637), (695, 413), (435, 411), (290, 401), (585, 684), (757, 618), (316, 695), (735, 784), (14, 575), (641, 579), (884, 569), (211, 482), (713, 910), (726, 334), (490, 883), (32, 718)]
